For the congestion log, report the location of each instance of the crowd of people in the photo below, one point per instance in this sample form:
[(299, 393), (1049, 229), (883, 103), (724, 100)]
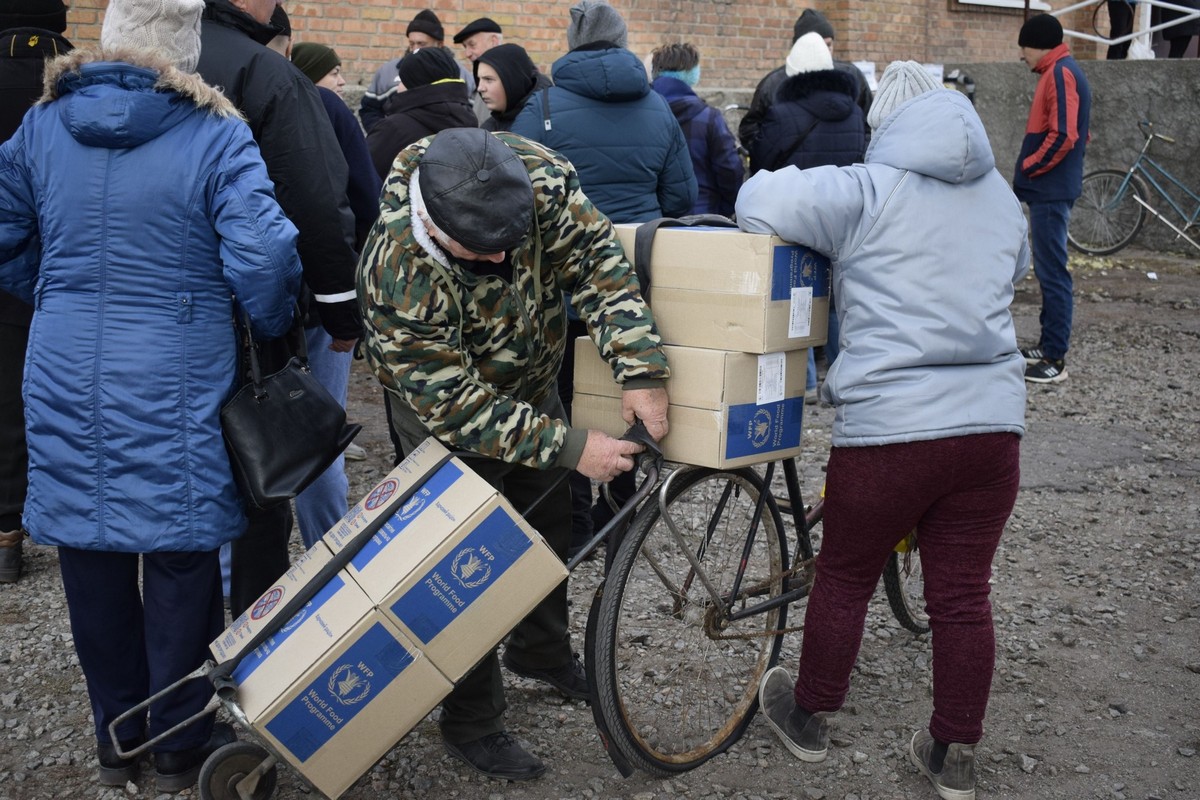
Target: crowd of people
[(459, 229)]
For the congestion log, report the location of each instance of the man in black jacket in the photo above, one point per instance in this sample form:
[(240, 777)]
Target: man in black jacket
[(30, 33), (809, 21), (310, 175)]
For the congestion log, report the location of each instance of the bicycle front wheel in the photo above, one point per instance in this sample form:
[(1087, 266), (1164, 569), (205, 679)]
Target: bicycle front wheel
[(1106, 217), (676, 680), (904, 584)]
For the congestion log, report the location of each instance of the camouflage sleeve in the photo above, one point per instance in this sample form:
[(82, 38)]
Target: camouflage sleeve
[(580, 244), (413, 345)]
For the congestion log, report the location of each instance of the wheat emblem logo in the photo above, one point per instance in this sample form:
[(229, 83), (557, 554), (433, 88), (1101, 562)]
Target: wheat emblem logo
[(469, 569)]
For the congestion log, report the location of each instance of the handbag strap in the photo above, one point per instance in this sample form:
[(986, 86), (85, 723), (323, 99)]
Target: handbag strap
[(785, 155), (298, 345)]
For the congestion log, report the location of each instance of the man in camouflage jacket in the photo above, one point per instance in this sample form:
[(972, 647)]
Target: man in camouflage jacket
[(461, 285)]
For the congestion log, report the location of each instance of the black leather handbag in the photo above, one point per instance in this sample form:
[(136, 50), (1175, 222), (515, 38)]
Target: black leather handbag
[(282, 430)]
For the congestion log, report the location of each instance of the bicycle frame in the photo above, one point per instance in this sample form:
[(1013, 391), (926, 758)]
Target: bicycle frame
[(1142, 167)]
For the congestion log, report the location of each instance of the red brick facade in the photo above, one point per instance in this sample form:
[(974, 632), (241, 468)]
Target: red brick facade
[(738, 42)]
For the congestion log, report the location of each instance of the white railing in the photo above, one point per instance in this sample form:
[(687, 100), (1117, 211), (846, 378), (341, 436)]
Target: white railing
[(1188, 15)]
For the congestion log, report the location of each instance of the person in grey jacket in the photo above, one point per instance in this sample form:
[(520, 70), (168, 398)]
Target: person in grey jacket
[(926, 240)]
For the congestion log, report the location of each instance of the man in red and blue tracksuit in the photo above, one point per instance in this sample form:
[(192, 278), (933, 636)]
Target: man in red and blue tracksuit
[(1048, 178)]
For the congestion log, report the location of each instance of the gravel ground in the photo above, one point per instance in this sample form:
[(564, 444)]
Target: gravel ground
[(1096, 692)]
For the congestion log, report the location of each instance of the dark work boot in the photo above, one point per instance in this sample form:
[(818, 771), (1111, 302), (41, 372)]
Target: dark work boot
[(10, 555), (498, 755), (114, 770), (178, 770)]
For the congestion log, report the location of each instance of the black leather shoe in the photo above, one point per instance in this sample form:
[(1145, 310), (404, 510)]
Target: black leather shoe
[(178, 770), (114, 770), (498, 755), (570, 680)]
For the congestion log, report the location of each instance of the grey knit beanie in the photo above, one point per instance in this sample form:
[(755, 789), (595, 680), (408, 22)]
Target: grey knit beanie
[(168, 28), (901, 82), (595, 21)]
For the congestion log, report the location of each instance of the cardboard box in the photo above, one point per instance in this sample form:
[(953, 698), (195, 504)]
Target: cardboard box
[(726, 409), (352, 704), (725, 289), (474, 587)]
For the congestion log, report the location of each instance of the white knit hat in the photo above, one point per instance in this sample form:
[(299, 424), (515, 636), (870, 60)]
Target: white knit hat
[(809, 54), (901, 82), (168, 28)]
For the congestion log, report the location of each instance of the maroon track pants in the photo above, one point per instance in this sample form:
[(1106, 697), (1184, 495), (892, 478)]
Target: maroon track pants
[(958, 494)]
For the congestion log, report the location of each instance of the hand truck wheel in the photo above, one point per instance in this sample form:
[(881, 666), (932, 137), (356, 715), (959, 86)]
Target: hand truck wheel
[(228, 765)]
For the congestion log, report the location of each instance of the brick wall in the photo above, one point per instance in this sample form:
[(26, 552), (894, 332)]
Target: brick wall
[(739, 42)]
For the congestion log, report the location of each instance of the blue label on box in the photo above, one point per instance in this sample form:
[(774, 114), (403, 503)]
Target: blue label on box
[(761, 430), (793, 266), (462, 576), (433, 488), (340, 692), (253, 660)]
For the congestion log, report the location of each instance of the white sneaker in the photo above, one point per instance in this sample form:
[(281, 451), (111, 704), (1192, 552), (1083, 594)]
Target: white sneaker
[(355, 453)]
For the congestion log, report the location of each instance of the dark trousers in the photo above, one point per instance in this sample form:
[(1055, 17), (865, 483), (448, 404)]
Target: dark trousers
[(1120, 23), (14, 458), (1048, 238), (958, 494), (475, 707), (132, 643)]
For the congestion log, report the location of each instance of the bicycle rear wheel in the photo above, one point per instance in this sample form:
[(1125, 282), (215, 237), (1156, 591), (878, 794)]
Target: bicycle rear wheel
[(677, 682), (904, 584), (1105, 218)]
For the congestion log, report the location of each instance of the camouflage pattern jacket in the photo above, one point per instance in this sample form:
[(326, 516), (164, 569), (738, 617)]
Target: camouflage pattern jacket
[(475, 355)]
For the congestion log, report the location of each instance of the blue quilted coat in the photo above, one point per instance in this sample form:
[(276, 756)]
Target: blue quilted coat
[(133, 206)]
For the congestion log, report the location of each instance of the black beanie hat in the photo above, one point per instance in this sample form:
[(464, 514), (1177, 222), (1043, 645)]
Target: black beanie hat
[(49, 15), (426, 22), (517, 72), (481, 25), (427, 65), (1041, 32), (476, 190), (315, 60), (811, 21)]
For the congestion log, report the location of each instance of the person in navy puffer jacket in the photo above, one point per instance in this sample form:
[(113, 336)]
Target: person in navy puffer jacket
[(715, 160), (134, 207)]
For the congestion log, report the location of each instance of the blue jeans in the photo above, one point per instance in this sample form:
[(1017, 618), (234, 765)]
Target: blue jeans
[(1048, 233), (323, 503)]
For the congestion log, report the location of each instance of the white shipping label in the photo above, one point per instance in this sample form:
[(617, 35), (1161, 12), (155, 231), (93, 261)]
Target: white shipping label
[(800, 316), (771, 378)]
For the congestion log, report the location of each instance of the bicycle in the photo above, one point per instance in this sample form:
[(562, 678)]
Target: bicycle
[(675, 673), (1112, 206)]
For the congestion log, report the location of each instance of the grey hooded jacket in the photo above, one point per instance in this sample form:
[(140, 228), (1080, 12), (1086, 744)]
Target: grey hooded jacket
[(926, 240)]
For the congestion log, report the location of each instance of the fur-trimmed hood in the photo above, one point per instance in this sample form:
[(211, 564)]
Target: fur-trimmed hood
[(63, 74)]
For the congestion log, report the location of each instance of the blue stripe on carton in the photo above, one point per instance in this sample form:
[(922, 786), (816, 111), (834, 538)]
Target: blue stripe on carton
[(429, 493), (793, 266), (761, 430), (253, 660), (340, 692), (462, 576)]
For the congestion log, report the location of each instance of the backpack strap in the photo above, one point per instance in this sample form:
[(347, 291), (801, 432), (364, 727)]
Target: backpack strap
[(546, 108)]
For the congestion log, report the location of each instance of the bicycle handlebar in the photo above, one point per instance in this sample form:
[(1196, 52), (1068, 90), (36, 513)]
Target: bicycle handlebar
[(1147, 128)]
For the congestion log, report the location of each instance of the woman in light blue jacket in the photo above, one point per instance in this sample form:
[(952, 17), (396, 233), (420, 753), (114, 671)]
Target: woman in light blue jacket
[(134, 206), (926, 240)]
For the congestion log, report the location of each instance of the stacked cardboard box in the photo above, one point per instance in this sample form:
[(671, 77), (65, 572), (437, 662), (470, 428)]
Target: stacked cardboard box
[(438, 567), (737, 312)]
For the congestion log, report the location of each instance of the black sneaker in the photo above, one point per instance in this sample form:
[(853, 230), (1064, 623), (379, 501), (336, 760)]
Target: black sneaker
[(805, 735), (569, 679), (498, 755), (114, 770), (1048, 370), (1032, 355), (178, 770), (955, 780)]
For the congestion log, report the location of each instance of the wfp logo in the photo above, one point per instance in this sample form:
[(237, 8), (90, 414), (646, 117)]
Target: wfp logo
[(295, 621), (413, 506), (349, 686), (759, 428), (381, 494), (808, 263), (469, 569)]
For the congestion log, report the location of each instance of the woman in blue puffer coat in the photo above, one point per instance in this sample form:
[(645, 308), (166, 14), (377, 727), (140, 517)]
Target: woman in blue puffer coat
[(134, 206)]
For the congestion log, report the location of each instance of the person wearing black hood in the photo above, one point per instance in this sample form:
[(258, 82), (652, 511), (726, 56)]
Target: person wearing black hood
[(434, 98), (506, 76), (310, 175), (30, 33)]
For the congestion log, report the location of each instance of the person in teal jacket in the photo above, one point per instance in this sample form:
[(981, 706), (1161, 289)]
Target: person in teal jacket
[(134, 209)]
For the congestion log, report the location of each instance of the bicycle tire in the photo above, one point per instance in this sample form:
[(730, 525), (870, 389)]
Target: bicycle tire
[(904, 585), (1102, 222), (672, 689)]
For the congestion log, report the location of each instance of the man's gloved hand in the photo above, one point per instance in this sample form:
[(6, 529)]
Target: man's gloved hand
[(604, 457)]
